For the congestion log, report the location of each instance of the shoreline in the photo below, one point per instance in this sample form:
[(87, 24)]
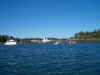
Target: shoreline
[(67, 40)]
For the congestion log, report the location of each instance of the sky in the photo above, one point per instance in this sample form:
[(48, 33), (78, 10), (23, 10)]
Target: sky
[(50, 18)]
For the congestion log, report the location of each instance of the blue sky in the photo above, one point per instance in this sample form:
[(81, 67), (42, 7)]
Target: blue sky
[(51, 18)]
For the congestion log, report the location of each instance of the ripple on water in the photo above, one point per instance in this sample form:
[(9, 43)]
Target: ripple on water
[(48, 59)]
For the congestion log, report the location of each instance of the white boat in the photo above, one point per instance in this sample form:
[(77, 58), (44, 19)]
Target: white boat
[(45, 40), (10, 42), (56, 43)]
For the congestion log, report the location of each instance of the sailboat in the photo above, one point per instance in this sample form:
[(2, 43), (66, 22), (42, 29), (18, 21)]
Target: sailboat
[(45, 40)]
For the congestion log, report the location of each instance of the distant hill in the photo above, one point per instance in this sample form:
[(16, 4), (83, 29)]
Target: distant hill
[(88, 35)]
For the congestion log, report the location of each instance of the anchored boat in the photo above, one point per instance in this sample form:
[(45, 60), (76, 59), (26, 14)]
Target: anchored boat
[(10, 42), (45, 40)]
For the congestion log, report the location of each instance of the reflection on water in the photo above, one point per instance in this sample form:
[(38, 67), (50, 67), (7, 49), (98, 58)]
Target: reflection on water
[(50, 59)]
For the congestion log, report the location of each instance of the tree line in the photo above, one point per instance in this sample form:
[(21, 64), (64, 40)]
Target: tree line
[(4, 38), (80, 35), (88, 35)]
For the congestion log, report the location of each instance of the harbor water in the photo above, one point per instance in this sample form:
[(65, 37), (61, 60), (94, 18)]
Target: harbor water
[(81, 58)]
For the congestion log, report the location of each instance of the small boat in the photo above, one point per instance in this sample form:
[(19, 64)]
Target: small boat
[(10, 42), (45, 40), (56, 43)]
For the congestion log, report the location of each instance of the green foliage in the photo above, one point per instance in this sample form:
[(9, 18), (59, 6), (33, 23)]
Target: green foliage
[(4, 38), (88, 35)]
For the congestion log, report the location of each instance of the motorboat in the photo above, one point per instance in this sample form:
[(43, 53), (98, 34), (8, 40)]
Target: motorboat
[(56, 43), (10, 42)]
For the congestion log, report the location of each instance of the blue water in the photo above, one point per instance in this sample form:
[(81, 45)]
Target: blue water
[(82, 58)]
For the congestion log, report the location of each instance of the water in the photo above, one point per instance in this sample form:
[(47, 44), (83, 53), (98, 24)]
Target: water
[(82, 58)]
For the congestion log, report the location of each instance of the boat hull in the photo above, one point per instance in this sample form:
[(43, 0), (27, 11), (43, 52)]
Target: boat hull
[(10, 43)]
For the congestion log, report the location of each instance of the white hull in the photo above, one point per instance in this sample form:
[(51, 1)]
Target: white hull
[(45, 40), (56, 43), (10, 43)]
